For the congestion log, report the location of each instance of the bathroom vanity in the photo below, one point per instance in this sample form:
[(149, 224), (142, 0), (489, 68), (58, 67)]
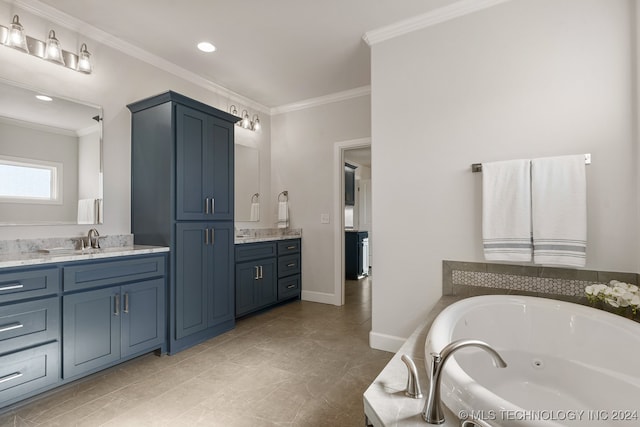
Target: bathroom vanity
[(268, 271), (64, 316)]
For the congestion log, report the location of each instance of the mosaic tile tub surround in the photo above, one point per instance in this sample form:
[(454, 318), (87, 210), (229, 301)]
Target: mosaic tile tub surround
[(471, 278)]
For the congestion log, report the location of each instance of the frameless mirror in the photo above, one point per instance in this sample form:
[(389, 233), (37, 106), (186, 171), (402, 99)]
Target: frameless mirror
[(50, 159), (247, 183)]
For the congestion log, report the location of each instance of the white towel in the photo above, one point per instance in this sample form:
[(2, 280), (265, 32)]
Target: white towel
[(283, 214), (255, 212), (559, 210), (506, 210), (87, 211)]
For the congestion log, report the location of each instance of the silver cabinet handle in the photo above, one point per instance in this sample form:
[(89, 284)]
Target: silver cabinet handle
[(11, 326), (116, 305), (261, 276), (206, 206), (257, 276), (291, 247), (293, 264), (206, 236), (213, 206), (11, 287), (212, 236), (10, 377), (126, 302), (291, 286)]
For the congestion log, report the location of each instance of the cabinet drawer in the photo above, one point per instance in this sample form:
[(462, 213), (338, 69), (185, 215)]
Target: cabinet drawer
[(288, 265), (102, 273), (16, 285), (289, 247), (289, 287), (29, 323), (249, 251), (26, 371)]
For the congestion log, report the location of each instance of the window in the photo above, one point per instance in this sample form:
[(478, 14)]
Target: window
[(30, 181)]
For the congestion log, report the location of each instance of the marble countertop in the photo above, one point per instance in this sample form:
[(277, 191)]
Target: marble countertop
[(18, 259), (265, 235), (385, 403)]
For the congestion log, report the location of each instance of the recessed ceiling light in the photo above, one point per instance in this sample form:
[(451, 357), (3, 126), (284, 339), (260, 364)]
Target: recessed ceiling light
[(206, 47), (44, 98)]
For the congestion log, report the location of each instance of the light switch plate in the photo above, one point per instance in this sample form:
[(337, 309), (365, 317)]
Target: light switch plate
[(324, 218)]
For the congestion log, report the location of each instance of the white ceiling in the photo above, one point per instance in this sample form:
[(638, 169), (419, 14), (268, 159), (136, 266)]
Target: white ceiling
[(274, 52)]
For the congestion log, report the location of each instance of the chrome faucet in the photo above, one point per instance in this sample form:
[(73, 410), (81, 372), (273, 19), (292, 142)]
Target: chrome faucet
[(413, 385), (432, 412), (93, 239)]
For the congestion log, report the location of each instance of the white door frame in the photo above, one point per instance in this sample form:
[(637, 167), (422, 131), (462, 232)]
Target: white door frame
[(338, 212)]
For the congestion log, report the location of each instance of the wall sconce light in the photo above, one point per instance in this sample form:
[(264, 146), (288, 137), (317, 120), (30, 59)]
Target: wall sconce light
[(246, 123), (51, 50), (16, 37)]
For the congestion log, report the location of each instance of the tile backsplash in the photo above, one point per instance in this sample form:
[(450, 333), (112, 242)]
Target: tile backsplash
[(471, 278)]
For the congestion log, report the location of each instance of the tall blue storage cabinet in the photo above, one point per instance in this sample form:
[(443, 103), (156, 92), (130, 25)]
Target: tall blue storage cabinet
[(182, 197)]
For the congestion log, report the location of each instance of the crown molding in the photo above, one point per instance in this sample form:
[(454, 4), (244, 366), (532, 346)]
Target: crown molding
[(58, 17), (321, 100), (437, 16)]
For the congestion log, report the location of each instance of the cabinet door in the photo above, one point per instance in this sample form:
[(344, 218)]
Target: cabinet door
[(193, 179), (143, 308), (90, 330), (204, 155), (349, 185), (247, 276), (191, 277), (256, 285), (267, 286), (220, 279), (219, 165)]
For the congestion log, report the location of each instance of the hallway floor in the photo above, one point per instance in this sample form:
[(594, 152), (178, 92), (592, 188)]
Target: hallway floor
[(300, 364)]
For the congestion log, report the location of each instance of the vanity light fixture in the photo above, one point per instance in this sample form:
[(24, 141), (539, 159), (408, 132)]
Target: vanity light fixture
[(256, 123), (51, 50), (246, 123), (84, 60), (16, 37)]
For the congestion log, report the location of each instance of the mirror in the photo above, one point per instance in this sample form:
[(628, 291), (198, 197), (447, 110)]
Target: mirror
[(50, 159), (247, 183)]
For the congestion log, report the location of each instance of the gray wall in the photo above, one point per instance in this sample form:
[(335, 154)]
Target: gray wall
[(524, 79)]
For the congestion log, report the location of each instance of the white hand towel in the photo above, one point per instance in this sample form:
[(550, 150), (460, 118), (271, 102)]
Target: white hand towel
[(283, 214), (255, 212), (87, 211), (559, 210), (506, 210)]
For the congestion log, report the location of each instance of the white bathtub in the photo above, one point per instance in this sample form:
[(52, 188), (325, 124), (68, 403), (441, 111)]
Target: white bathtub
[(567, 364)]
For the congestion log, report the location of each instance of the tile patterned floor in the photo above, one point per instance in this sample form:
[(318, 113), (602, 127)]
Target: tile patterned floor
[(301, 364)]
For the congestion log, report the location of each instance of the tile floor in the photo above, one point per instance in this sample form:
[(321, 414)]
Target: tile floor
[(301, 364)]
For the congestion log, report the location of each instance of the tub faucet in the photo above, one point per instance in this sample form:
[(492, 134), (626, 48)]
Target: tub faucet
[(413, 385), (93, 239), (432, 412)]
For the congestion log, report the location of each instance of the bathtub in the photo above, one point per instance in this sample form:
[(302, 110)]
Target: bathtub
[(568, 364)]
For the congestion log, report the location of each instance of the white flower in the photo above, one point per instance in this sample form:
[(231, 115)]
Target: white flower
[(613, 302), (635, 300), (595, 290), (618, 291), (633, 289)]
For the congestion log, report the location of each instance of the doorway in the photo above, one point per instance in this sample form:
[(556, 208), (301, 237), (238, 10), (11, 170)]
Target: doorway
[(357, 153)]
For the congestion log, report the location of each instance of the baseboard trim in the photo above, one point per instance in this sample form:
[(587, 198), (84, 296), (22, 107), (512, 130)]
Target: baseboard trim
[(321, 297), (385, 342)]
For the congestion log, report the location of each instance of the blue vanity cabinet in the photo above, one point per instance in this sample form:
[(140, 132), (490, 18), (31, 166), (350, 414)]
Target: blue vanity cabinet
[(256, 277), (182, 168), (111, 311), (29, 331), (266, 273)]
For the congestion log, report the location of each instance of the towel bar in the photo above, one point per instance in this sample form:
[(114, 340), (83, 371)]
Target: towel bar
[(477, 167)]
